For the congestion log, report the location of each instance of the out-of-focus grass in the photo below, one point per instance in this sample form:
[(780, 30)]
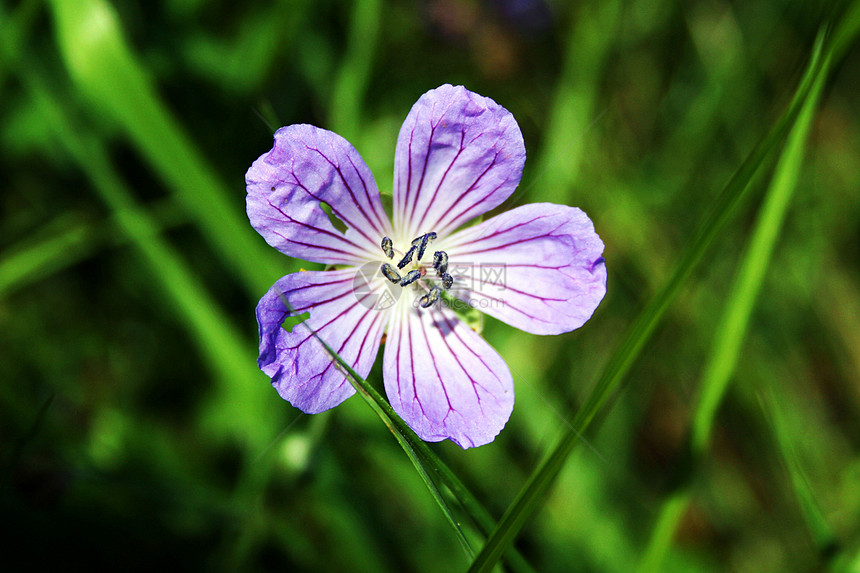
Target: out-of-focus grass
[(730, 332), (134, 423), (733, 324)]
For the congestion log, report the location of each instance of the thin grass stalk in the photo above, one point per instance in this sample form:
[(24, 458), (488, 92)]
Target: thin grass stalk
[(536, 488), (430, 468), (107, 72), (214, 333), (353, 76), (731, 331), (819, 529)]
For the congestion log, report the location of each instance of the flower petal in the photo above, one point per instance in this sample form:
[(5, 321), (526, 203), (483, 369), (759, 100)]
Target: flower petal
[(538, 267), (306, 167), (443, 379), (342, 312), (458, 155)]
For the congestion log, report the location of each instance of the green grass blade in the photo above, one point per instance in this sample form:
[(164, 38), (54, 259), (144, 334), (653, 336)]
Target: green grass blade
[(414, 447), (67, 242), (590, 42), (353, 76), (820, 530), (536, 488), (211, 329), (430, 468), (402, 433), (106, 71), (377, 404), (846, 33), (671, 512), (731, 331), (241, 407), (16, 28), (241, 63)]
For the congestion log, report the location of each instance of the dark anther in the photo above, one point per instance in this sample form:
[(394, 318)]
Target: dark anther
[(387, 247), (440, 262), (411, 277), (447, 281), (431, 297), (390, 273), (421, 243), (407, 258)]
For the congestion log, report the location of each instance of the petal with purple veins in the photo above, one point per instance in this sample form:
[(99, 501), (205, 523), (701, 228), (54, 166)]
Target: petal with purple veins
[(288, 186), (443, 379), (342, 308), (538, 267), (458, 155)]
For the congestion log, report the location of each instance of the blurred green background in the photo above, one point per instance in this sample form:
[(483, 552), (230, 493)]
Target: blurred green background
[(136, 429)]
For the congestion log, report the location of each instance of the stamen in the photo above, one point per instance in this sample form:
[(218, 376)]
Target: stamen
[(407, 258), (421, 243), (447, 281), (440, 262), (428, 299), (390, 273), (387, 247), (410, 278)]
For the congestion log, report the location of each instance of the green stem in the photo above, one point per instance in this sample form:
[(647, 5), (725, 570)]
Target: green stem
[(422, 457), (107, 72), (732, 328), (536, 488)]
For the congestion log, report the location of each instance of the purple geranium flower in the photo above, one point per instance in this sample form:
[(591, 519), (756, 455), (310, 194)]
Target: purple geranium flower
[(537, 267)]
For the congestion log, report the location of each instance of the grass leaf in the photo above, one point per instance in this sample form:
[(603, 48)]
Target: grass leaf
[(429, 467), (107, 72), (731, 331), (533, 493)]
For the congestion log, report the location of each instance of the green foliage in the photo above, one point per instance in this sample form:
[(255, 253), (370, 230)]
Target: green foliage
[(715, 146)]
